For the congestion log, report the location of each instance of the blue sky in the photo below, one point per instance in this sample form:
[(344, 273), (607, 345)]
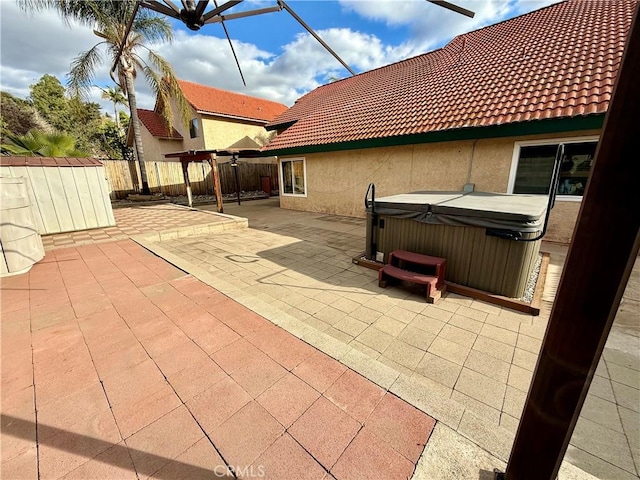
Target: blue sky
[(279, 59)]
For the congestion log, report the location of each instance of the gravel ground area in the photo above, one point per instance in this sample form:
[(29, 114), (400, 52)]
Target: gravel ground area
[(533, 280)]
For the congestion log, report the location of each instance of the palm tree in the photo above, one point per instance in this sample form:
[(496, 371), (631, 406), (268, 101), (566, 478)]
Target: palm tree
[(36, 143), (109, 19), (115, 96)]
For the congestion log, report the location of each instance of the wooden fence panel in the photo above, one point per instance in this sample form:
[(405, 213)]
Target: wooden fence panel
[(122, 177), (167, 177), (171, 179), (249, 176)]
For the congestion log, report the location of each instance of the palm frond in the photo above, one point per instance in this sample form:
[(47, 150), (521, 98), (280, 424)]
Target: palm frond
[(83, 67), (100, 34), (16, 146), (153, 29), (9, 149), (114, 95), (36, 143), (163, 101), (170, 88), (85, 12)]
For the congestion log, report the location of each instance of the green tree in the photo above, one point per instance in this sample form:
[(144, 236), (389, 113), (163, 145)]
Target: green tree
[(115, 96), (81, 120), (40, 144), (85, 119), (112, 140), (17, 115), (49, 99), (109, 19)]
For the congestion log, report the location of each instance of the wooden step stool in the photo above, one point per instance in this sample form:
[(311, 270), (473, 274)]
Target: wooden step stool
[(415, 268)]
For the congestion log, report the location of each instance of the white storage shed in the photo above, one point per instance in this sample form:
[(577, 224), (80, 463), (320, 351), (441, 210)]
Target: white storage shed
[(66, 194)]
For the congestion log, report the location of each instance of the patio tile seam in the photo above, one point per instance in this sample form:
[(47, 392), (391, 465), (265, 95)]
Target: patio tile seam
[(174, 458), (363, 425), (602, 460), (35, 393), (636, 466), (325, 468), (371, 369)]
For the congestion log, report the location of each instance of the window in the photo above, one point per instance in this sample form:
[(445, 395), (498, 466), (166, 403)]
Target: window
[(293, 176), (532, 166), (193, 128)]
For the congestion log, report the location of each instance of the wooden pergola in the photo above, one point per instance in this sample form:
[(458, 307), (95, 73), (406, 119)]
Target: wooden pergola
[(210, 156)]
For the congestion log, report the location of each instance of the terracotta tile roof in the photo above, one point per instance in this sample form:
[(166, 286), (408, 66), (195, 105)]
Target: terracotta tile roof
[(156, 125), (222, 102), (8, 161), (560, 61)]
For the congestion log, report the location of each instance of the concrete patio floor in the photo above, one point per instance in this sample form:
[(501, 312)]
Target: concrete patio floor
[(465, 363), (116, 364), (476, 360)]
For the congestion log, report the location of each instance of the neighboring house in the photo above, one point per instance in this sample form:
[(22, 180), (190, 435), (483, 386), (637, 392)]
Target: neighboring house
[(489, 108), (221, 119)]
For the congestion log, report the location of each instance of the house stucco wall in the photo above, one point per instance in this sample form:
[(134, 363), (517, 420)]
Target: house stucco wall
[(224, 132), (187, 142), (337, 181), (214, 132), (154, 148)]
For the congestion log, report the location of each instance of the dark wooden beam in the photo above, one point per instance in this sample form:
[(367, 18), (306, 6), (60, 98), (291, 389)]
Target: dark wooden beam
[(199, 157), (187, 182), (216, 182), (604, 249)]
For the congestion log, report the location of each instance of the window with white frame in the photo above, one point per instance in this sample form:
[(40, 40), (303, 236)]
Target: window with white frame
[(293, 176), (532, 166)]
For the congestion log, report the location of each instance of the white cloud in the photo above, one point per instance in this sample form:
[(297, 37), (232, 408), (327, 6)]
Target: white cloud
[(432, 25), (301, 66)]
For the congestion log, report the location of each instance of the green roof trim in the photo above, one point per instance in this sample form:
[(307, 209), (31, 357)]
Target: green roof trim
[(534, 127)]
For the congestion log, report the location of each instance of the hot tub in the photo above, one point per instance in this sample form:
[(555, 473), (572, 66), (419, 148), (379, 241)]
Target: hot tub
[(485, 237)]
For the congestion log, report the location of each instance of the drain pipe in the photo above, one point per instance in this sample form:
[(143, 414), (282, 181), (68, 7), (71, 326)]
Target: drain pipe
[(553, 191), (372, 222)]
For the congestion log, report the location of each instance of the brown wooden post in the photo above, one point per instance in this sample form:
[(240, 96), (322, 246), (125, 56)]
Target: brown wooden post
[(185, 172), (604, 248), (216, 182)]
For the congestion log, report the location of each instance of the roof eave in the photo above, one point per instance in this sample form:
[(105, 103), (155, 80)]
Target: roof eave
[(533, 127), (279, 126), (234, 117)]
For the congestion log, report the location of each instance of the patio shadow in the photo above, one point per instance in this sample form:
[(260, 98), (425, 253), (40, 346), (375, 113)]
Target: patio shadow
[(331, 266), (81, 444)]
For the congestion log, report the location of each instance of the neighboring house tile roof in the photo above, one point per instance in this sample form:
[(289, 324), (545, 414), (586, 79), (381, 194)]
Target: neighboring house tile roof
[(9, 161), (222, 102), (156, 125), (557, 62)]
